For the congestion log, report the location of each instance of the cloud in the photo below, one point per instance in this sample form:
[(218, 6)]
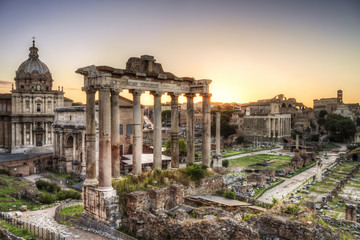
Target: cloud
[(5, 82)]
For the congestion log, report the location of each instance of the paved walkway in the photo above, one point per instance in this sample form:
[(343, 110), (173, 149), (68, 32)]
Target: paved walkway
[(291, 184), (45, 219)]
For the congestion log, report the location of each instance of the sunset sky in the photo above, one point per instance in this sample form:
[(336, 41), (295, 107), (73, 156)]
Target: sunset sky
[(251, 49)]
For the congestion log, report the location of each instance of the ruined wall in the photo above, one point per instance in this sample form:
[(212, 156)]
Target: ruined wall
[(205, 186)]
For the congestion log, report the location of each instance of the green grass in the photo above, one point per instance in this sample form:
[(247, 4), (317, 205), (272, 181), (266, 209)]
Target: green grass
[(9, 186), (17, 231), (73, 210), (246, 150), (275, 162)]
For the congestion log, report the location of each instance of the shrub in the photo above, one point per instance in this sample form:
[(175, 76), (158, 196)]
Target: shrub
[(65, 194), (274, 200), (47, 198), (195, 171), (229, 194), (47, 186), (225, 163), (2, 171)]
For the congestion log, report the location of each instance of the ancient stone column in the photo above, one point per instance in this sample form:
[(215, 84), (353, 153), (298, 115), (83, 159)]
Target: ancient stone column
[(24, 133), (217, 133), (190, 129), (350, 213), (90, 138), (297, 141), (31, 135), (74, 146), (61, 143), (269, 126), (115, 135), (137, 144), (174, 130), (157, 131), (83, 160), (104, 139), (206, 136)]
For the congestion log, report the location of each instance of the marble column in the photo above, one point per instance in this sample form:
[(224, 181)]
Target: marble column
[(115, 135), (218, 117), (55, 144), (46, 133), (137, 144), (190, 129), (269, 126), (61, 143), (174, 130), (90, 139), (157, 130), (24, 133), (104, 139), (83, 160), (206, 136), (74, 146)]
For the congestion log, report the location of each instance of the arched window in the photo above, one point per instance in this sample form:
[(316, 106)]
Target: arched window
[(69, 141)]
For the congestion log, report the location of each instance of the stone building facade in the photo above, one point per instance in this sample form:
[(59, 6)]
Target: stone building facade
[(32, 108)]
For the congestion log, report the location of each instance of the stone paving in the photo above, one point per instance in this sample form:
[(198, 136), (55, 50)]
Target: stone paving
[(45, 219), (291, 184)]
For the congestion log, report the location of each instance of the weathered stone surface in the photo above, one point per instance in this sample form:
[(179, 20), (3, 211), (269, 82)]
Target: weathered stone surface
[(205, 186), (256, 178), (278, 227)]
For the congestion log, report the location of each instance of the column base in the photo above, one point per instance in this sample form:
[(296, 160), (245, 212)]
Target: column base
[(91, 182), (102, 204)]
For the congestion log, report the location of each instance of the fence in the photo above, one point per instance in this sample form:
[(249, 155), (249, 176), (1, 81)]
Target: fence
[(40, 232)]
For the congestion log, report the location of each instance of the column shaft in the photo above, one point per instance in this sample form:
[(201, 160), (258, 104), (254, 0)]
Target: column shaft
[(83, 160), (104, 139), (115, 135), (157, 131), (137, 145), (174, 130), (190, 129), (61, 143), (90, 139), (24, 133), (218, 117), (206, 136)]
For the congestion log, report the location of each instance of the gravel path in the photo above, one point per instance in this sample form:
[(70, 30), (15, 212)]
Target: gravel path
[(291, 184)]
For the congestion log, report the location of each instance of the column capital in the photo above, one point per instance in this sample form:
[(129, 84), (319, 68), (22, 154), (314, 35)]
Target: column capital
[(174, 94), (206, 95), (156, 93), (115, 91), (136, 91), (190, 95), (89, 90)]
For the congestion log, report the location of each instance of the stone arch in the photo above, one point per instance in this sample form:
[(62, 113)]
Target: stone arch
[(283, 105), (69, 141)]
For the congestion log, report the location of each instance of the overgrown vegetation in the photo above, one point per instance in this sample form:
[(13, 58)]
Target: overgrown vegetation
[(229, 194), (271, 161), (158, 179), (24, 233), (73, 210), (341, 129), (51, 192)]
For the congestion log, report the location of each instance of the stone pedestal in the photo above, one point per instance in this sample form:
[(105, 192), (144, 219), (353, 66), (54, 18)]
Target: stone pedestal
[(350, 213), (102, 205)]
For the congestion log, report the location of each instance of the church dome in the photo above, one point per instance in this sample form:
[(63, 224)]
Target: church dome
[(33, 63)]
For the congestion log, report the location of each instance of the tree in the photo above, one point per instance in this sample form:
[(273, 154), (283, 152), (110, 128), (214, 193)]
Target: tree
[(322, 113), (182, 147), (166, 116), (341, 129)]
